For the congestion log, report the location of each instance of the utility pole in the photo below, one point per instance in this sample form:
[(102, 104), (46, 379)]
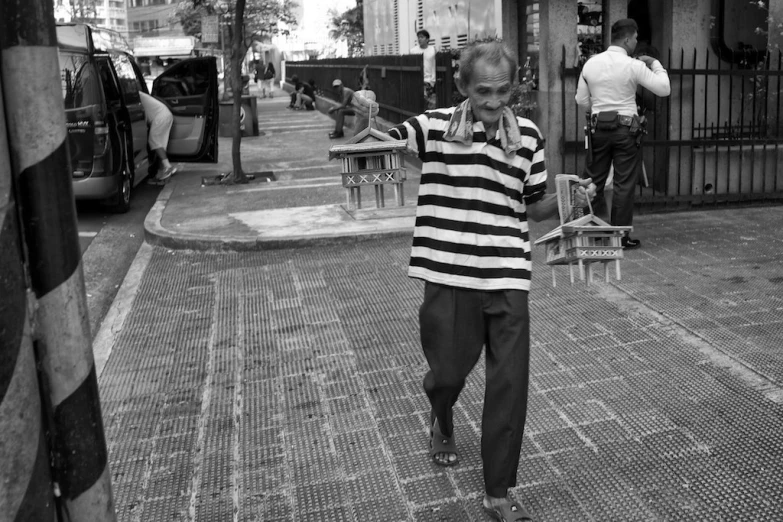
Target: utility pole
[(25, 481), (41, 174)]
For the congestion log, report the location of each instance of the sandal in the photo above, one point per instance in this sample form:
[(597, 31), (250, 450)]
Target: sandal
[(508, 512), (439, 443)]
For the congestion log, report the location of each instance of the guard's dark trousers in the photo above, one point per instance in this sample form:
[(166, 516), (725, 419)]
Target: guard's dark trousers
[(616, 147), (455, 324)]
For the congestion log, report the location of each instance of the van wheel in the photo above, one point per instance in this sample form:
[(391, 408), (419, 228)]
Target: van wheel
[(121, 204)]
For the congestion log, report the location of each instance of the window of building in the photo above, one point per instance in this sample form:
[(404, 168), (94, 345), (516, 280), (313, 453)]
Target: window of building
[(531, 45), (741, 43), (589, 29)]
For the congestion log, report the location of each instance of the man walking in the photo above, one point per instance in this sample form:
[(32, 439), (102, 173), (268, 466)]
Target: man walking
[(428, 54), (483, 175), (607, 91)]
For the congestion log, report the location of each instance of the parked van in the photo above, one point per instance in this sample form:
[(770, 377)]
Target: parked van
[(107, 128)]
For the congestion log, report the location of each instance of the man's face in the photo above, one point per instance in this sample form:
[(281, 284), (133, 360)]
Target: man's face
[(423, 41), (489, 91)]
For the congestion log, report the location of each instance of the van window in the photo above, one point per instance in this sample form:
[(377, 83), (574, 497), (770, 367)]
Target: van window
[(79, 81), (110, 89), (127, 75)]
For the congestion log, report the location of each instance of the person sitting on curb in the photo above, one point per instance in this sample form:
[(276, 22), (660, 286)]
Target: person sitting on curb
[(295, 82), (303, 96), (345, 95), (160, 120)]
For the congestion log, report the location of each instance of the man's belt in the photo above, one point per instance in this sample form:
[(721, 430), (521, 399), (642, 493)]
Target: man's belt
[(617, 119)]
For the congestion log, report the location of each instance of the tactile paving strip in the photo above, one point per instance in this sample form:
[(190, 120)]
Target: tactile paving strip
[(310, 352)]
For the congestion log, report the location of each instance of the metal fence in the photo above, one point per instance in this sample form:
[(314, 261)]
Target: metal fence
[(397, 81), (717, 140)]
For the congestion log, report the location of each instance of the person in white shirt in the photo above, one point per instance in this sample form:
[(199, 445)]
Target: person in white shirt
[(428, 52), (160, 121), (607, 91)]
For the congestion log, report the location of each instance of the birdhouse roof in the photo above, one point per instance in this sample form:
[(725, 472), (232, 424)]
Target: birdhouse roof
[(589, 222), (368, 142)]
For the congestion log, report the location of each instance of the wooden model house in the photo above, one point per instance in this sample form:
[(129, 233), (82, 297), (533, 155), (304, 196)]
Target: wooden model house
[(581, 239), (371, 158)]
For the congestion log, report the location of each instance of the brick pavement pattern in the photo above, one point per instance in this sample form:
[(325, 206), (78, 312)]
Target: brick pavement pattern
[(286, 386)]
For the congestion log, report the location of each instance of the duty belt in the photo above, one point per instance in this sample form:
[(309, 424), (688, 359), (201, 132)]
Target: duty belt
[(622, 119)]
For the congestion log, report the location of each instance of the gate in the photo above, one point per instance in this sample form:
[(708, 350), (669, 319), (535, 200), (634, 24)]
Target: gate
[(716, 140)]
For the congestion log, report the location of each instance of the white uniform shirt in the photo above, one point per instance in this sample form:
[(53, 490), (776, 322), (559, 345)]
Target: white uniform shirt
[(429, 62), (609, 80)]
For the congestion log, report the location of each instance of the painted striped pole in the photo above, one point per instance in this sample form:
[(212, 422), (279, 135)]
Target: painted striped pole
[(36, 127), (25, 481)]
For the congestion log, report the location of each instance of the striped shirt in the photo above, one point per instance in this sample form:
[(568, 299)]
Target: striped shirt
[(471, 226)]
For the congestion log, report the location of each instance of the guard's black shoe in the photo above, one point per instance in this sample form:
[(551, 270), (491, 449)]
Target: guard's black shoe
[(631, 243), (334, 135)]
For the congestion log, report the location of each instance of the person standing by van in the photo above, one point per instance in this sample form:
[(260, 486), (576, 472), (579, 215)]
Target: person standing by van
[(160, 120)]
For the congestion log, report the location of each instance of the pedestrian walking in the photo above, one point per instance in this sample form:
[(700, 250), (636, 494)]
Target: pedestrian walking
[(160, 121), (483, 174), (607, 92), (268, 80), (428, 65)]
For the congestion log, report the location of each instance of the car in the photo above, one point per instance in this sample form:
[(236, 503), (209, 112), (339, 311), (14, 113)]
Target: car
[(106, 122)]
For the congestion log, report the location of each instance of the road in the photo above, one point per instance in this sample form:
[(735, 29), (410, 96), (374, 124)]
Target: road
[(109, 243)]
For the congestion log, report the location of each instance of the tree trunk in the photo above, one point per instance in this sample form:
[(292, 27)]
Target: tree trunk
[(237, 175)]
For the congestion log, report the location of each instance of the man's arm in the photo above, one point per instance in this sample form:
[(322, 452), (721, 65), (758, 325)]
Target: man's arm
[(347, 97), (583, 94), (653, 76), (546, 207)]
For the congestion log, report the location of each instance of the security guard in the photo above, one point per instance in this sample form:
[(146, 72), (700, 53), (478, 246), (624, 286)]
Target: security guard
[(607, 91)]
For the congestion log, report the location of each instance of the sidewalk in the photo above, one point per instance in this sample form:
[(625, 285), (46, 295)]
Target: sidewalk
[(284, 384), (306, 202)]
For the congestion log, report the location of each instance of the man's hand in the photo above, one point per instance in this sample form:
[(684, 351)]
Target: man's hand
[(648, 60), (331, 110), (585, 193)]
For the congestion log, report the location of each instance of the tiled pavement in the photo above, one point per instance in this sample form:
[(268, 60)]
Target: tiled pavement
[(286, 386)]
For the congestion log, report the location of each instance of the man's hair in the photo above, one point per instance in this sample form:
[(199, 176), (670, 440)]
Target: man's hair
[(294, 79), (423, 32), (492, 52), (623, 28)]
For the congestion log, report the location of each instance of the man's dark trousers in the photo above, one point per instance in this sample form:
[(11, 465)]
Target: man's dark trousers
[(616, 147), (455, 324), (339, 119)]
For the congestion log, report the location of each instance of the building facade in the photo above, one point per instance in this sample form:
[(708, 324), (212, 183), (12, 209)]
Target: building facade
[(390, 27), (111, 14)]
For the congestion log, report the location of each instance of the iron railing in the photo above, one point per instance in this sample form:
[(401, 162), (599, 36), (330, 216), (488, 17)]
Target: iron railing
[(717, 139), (396, 80)]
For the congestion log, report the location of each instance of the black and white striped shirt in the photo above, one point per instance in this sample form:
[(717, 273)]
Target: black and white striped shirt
[(471, 223)]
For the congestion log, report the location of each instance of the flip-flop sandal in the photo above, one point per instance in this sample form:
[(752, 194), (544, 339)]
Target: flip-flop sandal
[(439, 443), (508, 512)]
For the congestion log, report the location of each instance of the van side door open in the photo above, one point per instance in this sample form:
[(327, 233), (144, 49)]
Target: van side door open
[(190, 89)]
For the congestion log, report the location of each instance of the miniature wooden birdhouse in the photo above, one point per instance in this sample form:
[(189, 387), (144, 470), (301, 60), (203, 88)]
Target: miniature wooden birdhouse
[(371, 158), (581, 239)]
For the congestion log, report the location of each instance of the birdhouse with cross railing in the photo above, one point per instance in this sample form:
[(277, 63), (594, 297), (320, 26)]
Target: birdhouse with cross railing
[(581, 240), (371, 159)]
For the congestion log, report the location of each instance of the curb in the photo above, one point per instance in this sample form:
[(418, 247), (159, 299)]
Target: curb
[(157, 235)]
